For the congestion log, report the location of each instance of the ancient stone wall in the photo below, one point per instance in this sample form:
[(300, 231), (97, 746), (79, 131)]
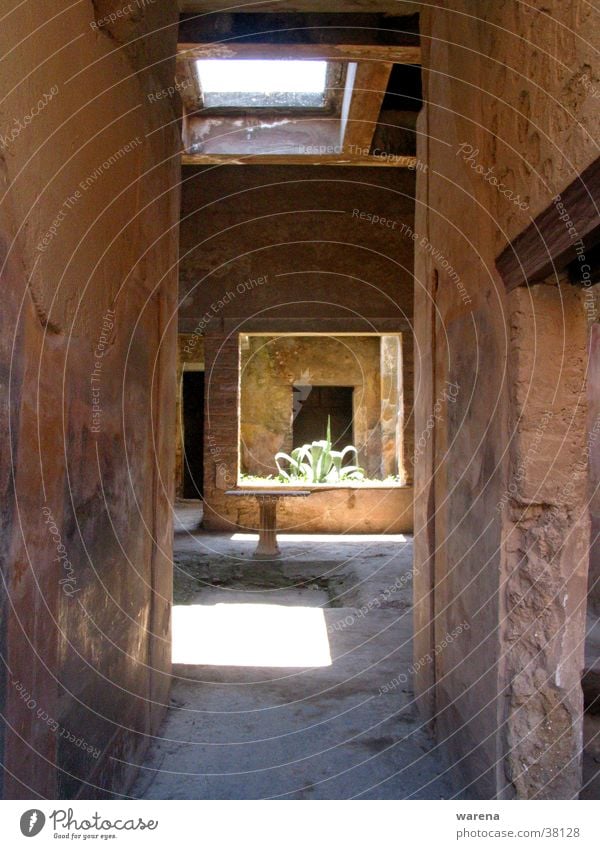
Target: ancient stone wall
[(89, 172), (272, 249), (270, 367), (545, 540), (362, 509), (296, 247), (509, 121)]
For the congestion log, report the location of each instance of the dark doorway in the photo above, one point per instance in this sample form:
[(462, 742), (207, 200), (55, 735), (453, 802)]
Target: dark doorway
[(193, 434), (312, 406)]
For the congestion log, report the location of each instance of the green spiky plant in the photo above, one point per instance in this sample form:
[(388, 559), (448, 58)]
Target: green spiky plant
[(317, 462)]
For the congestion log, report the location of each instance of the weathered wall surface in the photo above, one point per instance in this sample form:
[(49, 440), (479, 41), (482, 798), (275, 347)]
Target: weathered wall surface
[(270, 366), (284, 249), (546, 538), (356, 510), (508, 89), (343, 510), (88, 251), (274, 245)]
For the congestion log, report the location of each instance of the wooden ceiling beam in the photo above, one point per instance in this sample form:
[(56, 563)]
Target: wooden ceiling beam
[(408, 162), (396, 54), (567, 228), (299, 29), (370, 85)]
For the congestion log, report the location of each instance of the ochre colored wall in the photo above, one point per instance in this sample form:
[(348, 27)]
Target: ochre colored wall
[(88, 248), (277, 249), (270, 366), (362, 510), (506, 87), (280, 244)]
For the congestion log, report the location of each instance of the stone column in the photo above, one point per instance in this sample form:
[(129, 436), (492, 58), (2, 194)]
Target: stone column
[(545, 543), (391, 405)]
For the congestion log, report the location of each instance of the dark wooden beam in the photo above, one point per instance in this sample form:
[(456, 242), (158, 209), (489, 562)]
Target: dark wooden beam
[(289, 28), (551, 240), (304, 7)]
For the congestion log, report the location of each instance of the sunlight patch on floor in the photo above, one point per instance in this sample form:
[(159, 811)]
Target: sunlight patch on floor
[(250, 635), (339, 538)]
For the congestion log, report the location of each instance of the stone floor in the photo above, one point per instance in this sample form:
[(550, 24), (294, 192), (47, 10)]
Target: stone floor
[(342, 726)]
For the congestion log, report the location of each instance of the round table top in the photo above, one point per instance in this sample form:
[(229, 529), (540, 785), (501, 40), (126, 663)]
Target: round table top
[(270, 493)]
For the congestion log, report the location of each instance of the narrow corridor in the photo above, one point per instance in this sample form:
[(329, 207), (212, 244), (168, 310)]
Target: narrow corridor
[(345, 730)]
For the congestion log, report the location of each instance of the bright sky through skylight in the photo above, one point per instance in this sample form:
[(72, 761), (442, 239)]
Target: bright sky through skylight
[(262, 75)]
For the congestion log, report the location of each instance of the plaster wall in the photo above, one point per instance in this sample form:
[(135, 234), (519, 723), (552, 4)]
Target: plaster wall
[(506, 88), (88, 250), (270, 367), (272, 249), (343, 510)]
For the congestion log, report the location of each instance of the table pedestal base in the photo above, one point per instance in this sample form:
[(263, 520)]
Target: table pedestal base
[(267, 533), (267, 548)]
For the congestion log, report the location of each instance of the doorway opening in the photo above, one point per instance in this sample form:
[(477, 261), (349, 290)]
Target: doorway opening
[(193, 434), (317, 406)]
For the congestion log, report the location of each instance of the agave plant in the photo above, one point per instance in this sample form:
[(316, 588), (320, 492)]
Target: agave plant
[(317, 462)]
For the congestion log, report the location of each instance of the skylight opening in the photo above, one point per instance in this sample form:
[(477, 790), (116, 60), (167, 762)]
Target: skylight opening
[(263, 83)]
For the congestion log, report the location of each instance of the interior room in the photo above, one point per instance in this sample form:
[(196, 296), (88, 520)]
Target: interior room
[(300, 452)]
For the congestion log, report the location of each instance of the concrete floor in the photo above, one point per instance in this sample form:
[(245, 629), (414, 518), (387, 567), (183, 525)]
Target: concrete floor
[(339, 731)]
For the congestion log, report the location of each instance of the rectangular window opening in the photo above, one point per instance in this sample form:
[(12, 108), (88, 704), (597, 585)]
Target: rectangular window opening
[(315, 405), (291, 385), (267, 83)]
